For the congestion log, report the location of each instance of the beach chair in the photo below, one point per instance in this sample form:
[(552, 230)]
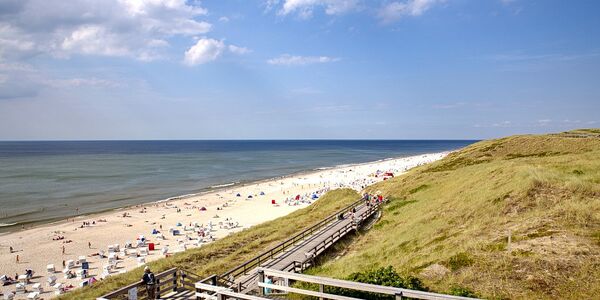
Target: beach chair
[(143, 251), (19, 288), (164, 250), (132, 253), (50, 268), (69, 264), (141, 261), (81, 259), (9, 296), (23, 279), (38, 288), (51, 280), (81, 274), (33, 296), (58, 288)]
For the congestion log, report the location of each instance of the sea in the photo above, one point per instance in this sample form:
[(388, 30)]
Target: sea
[(45, 181)]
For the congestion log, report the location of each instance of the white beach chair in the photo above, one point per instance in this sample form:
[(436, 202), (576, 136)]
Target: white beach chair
[(51, 280), (143, 251), (23, 279), (164, 250), (58, 288), (33, 296), (9, 296), (19, 288), (82, 259), (50, 268), (141, 261), (132, 253), (38, 288), (81, 274), (70, 264)]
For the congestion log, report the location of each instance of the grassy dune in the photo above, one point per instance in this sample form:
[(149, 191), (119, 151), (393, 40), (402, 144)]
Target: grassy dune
[(232, 250), (448, 222)]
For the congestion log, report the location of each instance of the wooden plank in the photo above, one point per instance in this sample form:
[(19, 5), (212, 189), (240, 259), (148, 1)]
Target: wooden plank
[(305, 292), (362, 286)]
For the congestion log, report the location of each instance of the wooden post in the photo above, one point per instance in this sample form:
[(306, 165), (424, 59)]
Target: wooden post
[(321, 290), (175, 281), (261, 279), (158, 288), (399, 296), (509, 241), (213, 280)]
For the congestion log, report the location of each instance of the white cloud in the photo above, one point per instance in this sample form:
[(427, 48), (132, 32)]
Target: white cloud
[(305, 8), (132, 28), (396, 10), (238, 50), (224, 19), (293, 60), (205, 50)]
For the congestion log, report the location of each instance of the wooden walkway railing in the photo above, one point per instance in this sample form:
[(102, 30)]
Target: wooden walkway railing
[(285, 280), (168, 282)]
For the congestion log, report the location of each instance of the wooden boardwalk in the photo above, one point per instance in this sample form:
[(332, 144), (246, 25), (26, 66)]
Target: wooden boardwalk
[(301, 255)]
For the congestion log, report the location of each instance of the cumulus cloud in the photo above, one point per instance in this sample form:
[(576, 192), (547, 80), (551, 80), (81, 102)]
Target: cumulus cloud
[(293, 60), (205, 50), (396, 10), (305, 8), (132, 28)]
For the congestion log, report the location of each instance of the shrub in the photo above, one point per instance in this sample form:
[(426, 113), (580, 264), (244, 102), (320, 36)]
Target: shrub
[(383, 276), (459, 260), (461, 291)]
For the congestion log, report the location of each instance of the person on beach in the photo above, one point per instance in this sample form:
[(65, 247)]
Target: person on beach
[(63, 250), (150, 282), (17, 258), (90, 245), (11, 249)]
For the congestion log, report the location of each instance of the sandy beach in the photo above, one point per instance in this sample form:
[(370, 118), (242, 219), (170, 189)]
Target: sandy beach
[(214, 214)]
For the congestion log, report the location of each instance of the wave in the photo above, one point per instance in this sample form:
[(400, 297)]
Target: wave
[(8, 225), (223, 185)]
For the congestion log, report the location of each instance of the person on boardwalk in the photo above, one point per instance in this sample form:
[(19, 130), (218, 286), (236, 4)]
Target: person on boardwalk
[(150, 282)]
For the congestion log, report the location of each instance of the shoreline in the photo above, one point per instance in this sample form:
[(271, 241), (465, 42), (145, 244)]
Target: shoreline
[(15, 227), (215, 213)]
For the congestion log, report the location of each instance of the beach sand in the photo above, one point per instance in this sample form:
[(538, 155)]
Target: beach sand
[(36, 247)]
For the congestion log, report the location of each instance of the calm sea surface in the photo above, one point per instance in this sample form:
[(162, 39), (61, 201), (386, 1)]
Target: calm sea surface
[(44, 181)]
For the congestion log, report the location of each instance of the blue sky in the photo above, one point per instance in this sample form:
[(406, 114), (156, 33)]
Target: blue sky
[(287, 69)]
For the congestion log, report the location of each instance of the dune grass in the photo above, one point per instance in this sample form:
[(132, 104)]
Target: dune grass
[(232, 250), (448, 222)]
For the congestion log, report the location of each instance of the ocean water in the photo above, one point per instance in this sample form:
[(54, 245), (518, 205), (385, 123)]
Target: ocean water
[(44, 181)]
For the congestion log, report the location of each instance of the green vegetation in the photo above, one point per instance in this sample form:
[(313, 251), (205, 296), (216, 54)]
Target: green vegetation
[(232, 250), (447, 223)]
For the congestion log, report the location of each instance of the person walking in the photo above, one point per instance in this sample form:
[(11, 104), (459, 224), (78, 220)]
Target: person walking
[(150, 282)]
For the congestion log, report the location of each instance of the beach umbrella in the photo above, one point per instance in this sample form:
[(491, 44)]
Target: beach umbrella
[(238, 195), (178, 224), (314, 196), (203, 208), (249, 196), (262, 193)]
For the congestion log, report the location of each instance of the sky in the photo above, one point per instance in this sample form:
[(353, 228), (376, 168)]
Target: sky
[(297, 69)]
